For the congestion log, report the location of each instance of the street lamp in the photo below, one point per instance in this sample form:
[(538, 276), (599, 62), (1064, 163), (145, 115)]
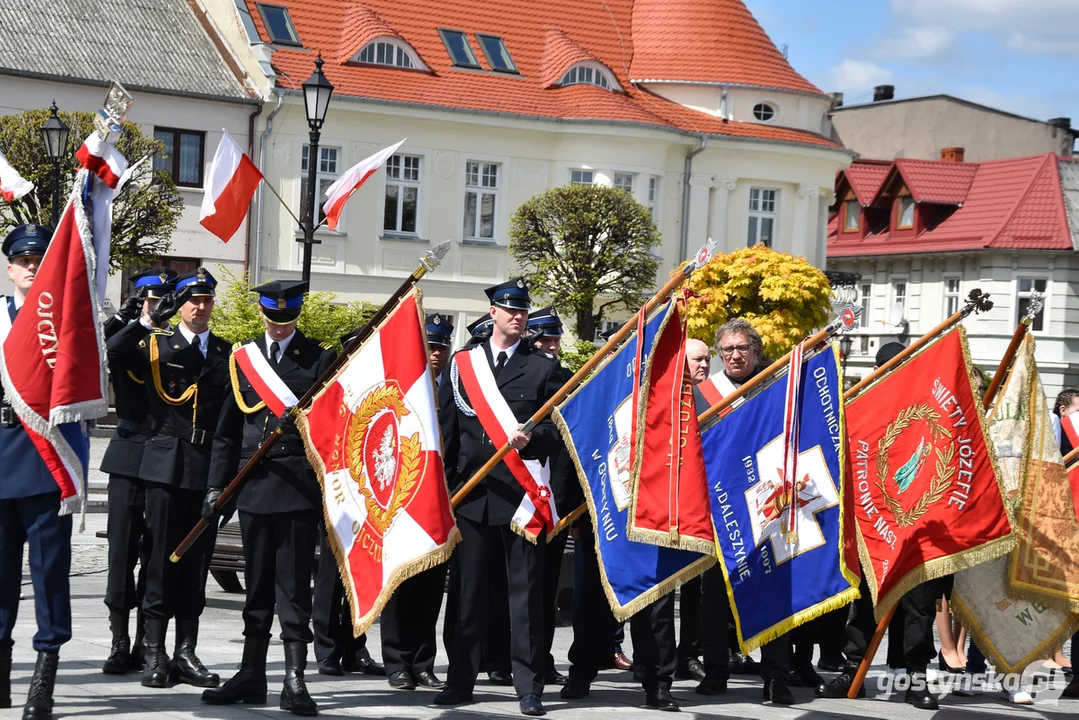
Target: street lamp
[(54, 134), (316, 101), (845, 344)]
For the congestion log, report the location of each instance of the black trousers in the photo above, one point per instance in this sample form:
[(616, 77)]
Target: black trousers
[(279, 556), (408, 623), (716, 639), (689, 616), (654, 653), (175, 589), (483, 546), (919, 608), (34, 520), (331, 614), (552, 572), (128, 541)]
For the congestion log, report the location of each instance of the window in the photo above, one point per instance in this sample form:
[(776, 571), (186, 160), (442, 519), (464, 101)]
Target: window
[(458, 47), (606, 329), (325, 175), (650, 198), (764, 112), (951, 296), (481, 199), (382, 52), (182, 156), (580, 177), (247, 22), (899, 306), (586, 75), (852, 216), (865, 299), (905, 212), (1026, 287), (624, 181), (278, 24), (762, 216), (402, 194), (498, 57)]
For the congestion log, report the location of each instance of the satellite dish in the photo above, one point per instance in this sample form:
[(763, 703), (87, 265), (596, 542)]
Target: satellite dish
[(895, 317)]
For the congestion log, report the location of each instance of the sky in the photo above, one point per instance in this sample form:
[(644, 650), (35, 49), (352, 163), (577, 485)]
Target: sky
[(1021, 56)]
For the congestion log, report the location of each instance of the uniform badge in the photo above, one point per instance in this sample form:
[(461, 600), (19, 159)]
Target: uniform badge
[(437, 320), (520, 283), (163, 277), (554, 313), (281, 302), (31, 229), (201, 274)]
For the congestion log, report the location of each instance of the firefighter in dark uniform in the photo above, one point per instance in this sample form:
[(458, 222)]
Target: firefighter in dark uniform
[(526, 380), (280, 506), (128, 540), (409, 618), (186, 376), (29, 512)]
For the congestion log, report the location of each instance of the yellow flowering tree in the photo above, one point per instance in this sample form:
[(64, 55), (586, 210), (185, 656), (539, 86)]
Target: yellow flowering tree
[(781, 295)]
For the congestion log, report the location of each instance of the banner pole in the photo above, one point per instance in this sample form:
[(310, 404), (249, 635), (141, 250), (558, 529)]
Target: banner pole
[(431, 259)]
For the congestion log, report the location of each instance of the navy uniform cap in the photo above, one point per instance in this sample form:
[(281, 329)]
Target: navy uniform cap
[(28, 239), (439, 329), (199, 280), (155, 282), (482, 327), (511, 294), (888, 351), (281, 300), (545, 322)]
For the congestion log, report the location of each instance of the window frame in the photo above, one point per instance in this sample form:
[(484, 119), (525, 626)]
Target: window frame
[(269, 30), (893, 292), (174, 154), (475, 64), (399, 48), (1020, 295), (947, 295), (651, 195), (582, 171), (512, 69), (759, 215), (766, 104), (320, 177), (618, 174), (865, 301), (846, 216), (401, 183), (480, 190), (610, 83), (899, 210)]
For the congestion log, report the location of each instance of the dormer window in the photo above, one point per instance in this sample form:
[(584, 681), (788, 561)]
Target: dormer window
[(904, 212), (589, 74), (851, 216), (387, 51), (764, 112)]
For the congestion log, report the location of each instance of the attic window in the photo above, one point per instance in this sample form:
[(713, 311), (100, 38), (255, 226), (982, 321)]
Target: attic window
[(458, 47), (587, 74), (851, 216), (247, 22), (278, 24), (764, 112), (385, 52), (905, 212), (498, 57)]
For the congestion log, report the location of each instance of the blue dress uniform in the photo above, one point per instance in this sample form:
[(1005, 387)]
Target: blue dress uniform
[(186, 377), (29, 506), (128, 539)]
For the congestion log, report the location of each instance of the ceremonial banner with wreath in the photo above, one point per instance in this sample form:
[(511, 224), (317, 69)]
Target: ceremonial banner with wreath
[(372, 436), (1011, 631), (928, 502)]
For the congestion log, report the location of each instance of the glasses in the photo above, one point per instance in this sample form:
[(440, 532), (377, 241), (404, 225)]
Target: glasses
[(742, 350)]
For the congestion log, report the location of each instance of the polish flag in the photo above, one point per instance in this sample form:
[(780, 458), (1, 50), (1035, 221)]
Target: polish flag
[(102, 159), (12, 185), (339, 193), (233, 180)]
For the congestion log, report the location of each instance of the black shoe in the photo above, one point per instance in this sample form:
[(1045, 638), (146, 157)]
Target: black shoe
[(364, 665), (661, 700), (692, 669), (739, 664), (530, 705), (918, 694), (1071, 691), (294, 696), (186, 666), (777, 691), (453, 696), (573, 690), (831, 664), (155, 674), (553, 677), (943, 665), (500, 677), (5, 675), (39, 702), (427, 679), (804, 676), (712, 686), (330, 666), (401, 680), (838, 687), (249, 684), (119, 660), (135, 656)]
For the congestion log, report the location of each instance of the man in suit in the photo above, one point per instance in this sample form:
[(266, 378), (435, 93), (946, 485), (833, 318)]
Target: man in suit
[(29, 512), (186, 376), (524, 381), (280, 506), (128, 539), (409, 618)]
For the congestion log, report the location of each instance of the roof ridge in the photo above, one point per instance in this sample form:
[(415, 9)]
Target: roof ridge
[(1020, 198)]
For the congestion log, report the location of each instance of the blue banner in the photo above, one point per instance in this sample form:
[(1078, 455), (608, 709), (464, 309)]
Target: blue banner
[(778, 581), (596, 422)]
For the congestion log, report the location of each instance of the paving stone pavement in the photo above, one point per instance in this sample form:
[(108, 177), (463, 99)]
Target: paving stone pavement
[(84, 692)]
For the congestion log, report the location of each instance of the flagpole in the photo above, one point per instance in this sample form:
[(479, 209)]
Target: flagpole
[(431, 259), (268, 184), (679, 277), (1070, 456)]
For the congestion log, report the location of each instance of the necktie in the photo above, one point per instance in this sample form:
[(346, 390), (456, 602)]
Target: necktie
[(500, 363), (195, 342), (275, 348)]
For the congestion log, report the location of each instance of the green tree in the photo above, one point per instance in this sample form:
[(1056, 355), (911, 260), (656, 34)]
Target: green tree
[(236, 316), (145, 212), (586, 244)]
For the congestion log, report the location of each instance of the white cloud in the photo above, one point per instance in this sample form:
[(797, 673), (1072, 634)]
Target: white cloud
[(1018, 103), (1031, 26), (855, 76), (922, 43)]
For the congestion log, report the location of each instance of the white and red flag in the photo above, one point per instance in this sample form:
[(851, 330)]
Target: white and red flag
[(372, 436), (232, 182), (12, 185), (339, 193)]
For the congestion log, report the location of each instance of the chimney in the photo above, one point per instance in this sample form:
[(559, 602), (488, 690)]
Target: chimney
[(952, 154), (1062, 123), (837, 99), (883, 92)]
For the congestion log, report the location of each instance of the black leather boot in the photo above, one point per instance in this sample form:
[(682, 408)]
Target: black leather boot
[(186, 666), (5, 675), (118, 662), (138, 644), (39, 699), (294, 696), (249, 684), (156, 672)]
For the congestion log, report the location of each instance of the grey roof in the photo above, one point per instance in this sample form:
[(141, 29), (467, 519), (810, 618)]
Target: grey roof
[(156, 45)]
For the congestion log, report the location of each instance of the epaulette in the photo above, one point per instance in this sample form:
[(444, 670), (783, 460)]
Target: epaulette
[(325, 346), (162, 331), (142, 343), (236, 346)]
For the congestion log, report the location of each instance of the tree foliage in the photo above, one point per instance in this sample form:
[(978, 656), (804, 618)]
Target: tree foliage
[(781, 295), (583, 244), (145, 212), (236, 316)]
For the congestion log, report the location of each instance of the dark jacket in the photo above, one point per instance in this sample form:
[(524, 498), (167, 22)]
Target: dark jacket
[(123, 456)]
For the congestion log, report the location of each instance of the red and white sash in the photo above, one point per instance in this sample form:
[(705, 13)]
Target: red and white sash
[(536, 513), (264, 380), (1070, 425)]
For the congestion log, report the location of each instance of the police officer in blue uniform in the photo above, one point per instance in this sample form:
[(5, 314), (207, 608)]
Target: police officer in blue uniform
[(128, 540), (29, 512)]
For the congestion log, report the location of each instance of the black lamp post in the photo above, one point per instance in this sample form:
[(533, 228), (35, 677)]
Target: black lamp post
[(54, 134), (316, 100), (845, 344)]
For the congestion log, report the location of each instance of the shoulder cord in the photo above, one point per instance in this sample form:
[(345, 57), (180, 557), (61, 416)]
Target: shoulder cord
[(235, 374), (136, 378), (192, 392), (463, 406)]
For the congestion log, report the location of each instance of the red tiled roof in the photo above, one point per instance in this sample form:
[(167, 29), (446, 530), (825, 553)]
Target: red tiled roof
[(1015, 204), (865, 178), (935, 181), (711, 41), (359, 26), (602, 30)]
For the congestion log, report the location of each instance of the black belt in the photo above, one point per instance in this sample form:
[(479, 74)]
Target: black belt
[(133, 427), (196, 436)]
